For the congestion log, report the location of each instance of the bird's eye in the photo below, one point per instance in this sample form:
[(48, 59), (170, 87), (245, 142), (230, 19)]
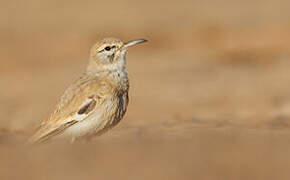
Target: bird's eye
[(108, 48)]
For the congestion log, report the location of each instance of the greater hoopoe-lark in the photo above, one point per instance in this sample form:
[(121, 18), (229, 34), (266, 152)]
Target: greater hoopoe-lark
[(95, 102)]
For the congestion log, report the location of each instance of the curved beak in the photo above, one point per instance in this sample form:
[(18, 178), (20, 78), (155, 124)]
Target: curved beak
[(134, 42)]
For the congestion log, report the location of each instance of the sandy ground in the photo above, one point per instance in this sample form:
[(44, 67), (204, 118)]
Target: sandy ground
[(209, 95)]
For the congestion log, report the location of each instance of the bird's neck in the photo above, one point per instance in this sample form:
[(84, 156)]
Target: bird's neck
[(116, 72), (95, 68)]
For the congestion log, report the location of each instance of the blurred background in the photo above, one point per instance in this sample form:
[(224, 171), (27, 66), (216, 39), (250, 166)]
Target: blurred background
[(209, 95)]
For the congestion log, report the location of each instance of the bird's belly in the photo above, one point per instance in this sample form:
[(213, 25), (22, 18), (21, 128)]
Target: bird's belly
[(82, 128), (100, 120)]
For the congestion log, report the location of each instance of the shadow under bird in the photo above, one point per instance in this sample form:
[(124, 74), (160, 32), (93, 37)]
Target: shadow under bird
[(95, 102)]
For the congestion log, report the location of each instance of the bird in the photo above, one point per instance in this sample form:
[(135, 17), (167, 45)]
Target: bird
[(96, 101)]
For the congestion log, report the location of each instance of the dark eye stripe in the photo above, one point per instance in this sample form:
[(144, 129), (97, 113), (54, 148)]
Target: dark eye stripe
[(108, 48)]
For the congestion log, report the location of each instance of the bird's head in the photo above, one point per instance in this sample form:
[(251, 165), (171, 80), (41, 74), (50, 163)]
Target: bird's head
[(110, 53)]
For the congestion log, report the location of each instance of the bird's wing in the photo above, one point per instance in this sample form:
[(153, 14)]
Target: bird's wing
[(76, 105)]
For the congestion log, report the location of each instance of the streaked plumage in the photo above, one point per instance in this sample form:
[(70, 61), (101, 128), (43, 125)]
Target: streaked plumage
[(95, 102)]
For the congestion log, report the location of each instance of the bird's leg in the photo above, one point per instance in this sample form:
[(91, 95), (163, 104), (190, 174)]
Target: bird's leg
[(73, 139)]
